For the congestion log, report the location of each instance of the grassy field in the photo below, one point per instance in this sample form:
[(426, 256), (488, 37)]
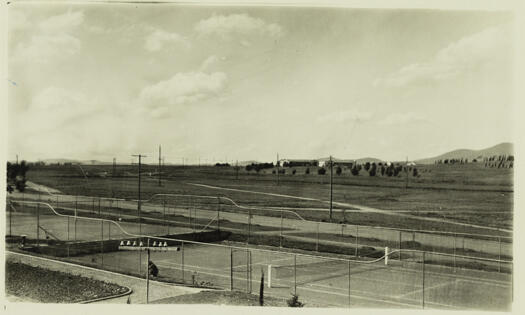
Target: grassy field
[(467, 193)]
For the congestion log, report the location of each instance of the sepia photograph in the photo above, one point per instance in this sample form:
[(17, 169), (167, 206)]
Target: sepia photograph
[(260, 155)]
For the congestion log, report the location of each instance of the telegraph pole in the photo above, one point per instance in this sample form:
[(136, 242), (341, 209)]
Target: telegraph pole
[(331, 184), (114, 166), (237, 169), (160, 160), (277, 169)]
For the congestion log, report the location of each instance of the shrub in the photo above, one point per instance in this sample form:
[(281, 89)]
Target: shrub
[(321, 171), (339, 170), (293, 172), (355, 171), (414, 172), (294, 301), (307, 171), (367, 166)]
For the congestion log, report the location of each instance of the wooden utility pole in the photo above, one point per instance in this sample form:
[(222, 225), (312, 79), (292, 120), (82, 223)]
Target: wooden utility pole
[(277, 169), (160, 165), (114, 166)]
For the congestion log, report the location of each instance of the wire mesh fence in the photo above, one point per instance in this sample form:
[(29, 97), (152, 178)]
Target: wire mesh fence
[(365, 274)]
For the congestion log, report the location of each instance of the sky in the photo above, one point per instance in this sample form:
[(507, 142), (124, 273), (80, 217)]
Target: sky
[(98, 81)]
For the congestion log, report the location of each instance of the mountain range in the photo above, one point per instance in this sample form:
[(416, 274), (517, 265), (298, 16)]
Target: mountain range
[(505, 148)]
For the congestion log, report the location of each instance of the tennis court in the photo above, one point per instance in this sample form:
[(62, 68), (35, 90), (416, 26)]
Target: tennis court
[(319, 281)]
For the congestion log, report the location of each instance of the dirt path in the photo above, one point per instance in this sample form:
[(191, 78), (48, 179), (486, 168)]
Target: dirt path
[(157, 290)]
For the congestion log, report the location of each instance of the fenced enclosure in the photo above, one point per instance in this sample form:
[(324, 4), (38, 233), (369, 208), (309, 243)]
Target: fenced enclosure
[(380, 278), (162, 213)]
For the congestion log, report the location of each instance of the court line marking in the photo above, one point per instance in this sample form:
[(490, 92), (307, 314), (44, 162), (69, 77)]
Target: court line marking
[(310, 288), (439, 285)]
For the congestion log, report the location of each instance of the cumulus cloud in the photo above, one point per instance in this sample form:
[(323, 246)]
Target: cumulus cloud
[(228, 26), (53, 38), (466, 55), (208, 62), (158, 39), (401, 118), (62, 23), (183, 88), (345, 117)]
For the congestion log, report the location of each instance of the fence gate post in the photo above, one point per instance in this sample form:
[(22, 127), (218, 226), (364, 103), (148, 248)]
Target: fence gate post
[(219, 214), (295, 274), (423, 289), (182, 262), (231, 269), (281, 231), (349, 277), (356, 241)]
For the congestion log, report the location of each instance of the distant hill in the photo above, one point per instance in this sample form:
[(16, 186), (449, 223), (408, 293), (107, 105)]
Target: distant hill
[(505, 148)]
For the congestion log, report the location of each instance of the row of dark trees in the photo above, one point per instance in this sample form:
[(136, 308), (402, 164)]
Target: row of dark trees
[(258, 166), (373, 169), (16, 175)]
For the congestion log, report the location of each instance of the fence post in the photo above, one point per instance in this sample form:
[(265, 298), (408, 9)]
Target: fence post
[(109, 232), (102, 243), (400, 241), (249, 225), (219, 214), (248, 289), (317, 242), (423, 276), (295, 274), (38, 221), (164, 210), (67, 228), (10, 216), (349, 275), (281, 231), (499, 254), (182, 261), (93, 205), (231, 269), (99, 214), (454, 252), (356, 240), (342, 231), (147, 276), (75, 223)]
